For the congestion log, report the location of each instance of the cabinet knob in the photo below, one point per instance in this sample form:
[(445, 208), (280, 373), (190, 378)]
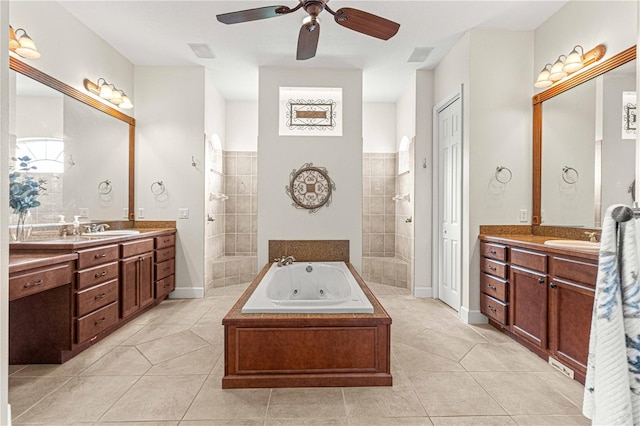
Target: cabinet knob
[(540, 280), (493, 251), (552, 285), (37, 283), (100, 296), (98, 321), (100, 256), (491, 268), (491, 308), (101, 274)]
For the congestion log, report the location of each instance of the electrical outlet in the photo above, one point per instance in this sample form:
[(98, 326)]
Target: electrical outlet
[(140, 212), (183, 213), (125, 213), (524, 215), (83, 212)]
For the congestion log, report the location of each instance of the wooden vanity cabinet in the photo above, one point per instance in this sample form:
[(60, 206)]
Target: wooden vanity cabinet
[(96, 296), (136, 276), (550, 294), (493, 284), (164, 265)]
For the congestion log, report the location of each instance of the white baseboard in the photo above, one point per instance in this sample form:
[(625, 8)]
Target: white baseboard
[(423, 292), (187, 293), (472, 317)]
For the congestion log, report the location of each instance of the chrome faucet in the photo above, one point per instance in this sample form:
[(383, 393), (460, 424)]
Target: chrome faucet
[(592, 236), (284, 260), (96, 227)]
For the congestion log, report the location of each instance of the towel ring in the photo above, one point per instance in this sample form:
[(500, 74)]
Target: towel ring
[(570, 175), (105, 187), (503, 178), (157, 188)]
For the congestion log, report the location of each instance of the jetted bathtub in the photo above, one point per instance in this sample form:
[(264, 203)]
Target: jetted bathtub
[(310, 287)]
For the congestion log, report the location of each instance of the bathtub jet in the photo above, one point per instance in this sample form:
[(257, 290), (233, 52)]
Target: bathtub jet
[(315, 287)]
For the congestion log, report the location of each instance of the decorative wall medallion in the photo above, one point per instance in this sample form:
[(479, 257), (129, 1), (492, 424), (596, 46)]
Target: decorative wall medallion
[(310, 187), (628, 115), (310, 111)]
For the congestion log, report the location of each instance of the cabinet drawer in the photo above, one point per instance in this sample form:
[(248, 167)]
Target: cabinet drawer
[(165, 254), (574, 270), (91, 325), (165, 241), (493, 267), (493, 251), (493, 308), (97, 275), (96, 297), (164, 269), (35, 281), (529, 260), (133, 248), (97, 256), (165, 286), (493, 286)]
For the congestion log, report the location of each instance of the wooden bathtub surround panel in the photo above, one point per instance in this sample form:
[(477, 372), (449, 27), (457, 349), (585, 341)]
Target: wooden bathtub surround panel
[(310, 250), (302, 350)]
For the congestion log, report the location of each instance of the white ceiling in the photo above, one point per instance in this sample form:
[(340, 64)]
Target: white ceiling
[(156, 33)]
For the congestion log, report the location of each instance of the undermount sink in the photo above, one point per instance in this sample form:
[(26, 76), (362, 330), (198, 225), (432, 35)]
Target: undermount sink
[(574, 244), (111, 233)]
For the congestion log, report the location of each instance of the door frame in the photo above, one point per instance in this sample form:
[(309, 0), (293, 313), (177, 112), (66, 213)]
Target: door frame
[(435, 188)]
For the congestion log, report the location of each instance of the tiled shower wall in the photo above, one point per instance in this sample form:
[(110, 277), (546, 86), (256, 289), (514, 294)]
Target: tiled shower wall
[(214, 229), (241, 209), (405, 218), (378, 210)]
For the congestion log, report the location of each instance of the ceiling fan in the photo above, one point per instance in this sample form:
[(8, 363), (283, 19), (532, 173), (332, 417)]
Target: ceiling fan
[(354, 19)]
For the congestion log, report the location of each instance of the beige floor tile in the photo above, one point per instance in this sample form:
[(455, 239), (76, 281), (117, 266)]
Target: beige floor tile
[(156, 423), (398, 421), (171, 346), (213, 403), (123, 333), (73, 367), (442, 344), (24, 392), (474, 421), (454, 394), (154, 398), (15, 368), (383, 402), (151, 332), (414, 360), (231, 422), (570, 389), (213, 334), (551, 420), (306, 422), (122, 361), (524, 393), (196, 362), (491, 333), (184, 316), (301, 403), (81, 399), (503, 357)]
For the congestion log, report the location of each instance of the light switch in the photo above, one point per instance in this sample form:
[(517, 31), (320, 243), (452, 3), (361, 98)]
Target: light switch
[(140, 212), (524, 215)]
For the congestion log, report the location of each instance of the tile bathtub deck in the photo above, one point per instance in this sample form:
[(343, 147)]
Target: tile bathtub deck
[(166, 367)]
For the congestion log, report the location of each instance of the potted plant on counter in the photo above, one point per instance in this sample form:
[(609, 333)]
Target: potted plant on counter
[(23, 196)]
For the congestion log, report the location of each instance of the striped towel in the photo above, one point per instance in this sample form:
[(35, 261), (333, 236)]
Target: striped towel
[(612, 386)]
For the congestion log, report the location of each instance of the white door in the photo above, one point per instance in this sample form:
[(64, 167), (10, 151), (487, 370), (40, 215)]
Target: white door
[(449, 122)]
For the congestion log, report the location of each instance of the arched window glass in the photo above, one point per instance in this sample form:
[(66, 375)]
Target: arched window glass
[(47, 154)]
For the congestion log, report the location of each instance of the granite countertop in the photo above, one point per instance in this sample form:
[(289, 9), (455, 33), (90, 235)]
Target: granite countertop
[(80, 242), (536, 242), (22, 261)]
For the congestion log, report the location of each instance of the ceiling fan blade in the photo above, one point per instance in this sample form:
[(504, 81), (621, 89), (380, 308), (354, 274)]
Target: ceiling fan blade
[(366, 23), (253, 14), (308, 41)]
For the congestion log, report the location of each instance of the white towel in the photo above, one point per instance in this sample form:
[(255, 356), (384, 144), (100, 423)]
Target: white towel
[(612, 386)]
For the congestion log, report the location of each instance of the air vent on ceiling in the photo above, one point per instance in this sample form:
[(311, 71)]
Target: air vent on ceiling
[(420, 54), (202, 50)]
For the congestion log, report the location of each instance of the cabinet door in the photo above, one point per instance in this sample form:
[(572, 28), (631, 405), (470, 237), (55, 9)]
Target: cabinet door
[(528, 306), (129, 295), (570, 322), (145, 277)]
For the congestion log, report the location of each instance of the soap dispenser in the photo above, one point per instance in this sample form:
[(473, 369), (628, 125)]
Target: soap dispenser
[(63, 226), (76, 225)]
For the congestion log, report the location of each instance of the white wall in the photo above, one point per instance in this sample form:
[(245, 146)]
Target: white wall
[(242, 126), (379, 127), (168, 134), (4, 215), (279, 155)]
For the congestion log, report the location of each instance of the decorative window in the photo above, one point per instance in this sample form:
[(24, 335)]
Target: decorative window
[(47, 154), (214, 152), (310, 111), (628, 115), (403, 155)]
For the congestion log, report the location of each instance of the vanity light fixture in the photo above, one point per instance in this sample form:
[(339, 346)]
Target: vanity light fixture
[(556, 70), (22, 44), (109, 92), (566, 65)]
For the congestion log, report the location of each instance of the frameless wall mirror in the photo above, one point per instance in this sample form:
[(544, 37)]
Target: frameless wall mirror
[(81, 148), (584, 147)]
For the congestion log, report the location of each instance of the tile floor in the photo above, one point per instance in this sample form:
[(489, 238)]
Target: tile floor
[(165, 368)]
